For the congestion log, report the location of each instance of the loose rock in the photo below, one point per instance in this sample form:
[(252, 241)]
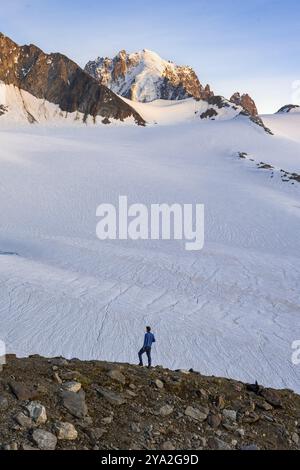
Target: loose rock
[(159, 384), (116, 375), (167, 446), (230, 415), (65, 431), (217, 444), (44, 440), (23, 420), (71, 386), (166, 410), (112, 397), (37, 412), (22, 392), (196, 413), (75, 403)]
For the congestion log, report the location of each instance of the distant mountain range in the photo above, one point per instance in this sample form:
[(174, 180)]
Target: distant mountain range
[(39, 87)]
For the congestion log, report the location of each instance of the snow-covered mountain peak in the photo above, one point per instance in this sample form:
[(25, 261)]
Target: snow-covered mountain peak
[(144, 76)]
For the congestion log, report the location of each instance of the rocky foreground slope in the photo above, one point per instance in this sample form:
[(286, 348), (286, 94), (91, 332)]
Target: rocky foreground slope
[(52, 404)]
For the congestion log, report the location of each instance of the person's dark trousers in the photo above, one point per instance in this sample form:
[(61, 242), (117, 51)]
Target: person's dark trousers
[(148, 352)]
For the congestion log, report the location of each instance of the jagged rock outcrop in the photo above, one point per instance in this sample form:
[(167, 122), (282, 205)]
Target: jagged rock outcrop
[(59, 80), (288, 108), (121, 406), (145, 77), (218, 107), (246, 102)]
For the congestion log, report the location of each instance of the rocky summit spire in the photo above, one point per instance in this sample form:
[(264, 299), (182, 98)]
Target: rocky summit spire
[(246, 102)]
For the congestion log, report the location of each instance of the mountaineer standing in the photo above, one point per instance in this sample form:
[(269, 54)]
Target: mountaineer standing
[(148, 341)]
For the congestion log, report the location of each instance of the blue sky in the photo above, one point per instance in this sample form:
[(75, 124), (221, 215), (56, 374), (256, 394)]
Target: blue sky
[(235, 45)]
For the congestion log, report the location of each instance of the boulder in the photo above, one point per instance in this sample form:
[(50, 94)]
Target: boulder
[(23, 392), (44, 440), (198, 414), (37, 412), (65, 431), (75, 403)]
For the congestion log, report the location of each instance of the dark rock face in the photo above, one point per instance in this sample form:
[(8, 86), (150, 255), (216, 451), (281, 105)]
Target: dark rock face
[(59, 80), (246, 102), (288, 108), (129, 75)]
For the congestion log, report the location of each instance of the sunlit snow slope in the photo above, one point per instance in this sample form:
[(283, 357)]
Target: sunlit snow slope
[(232, 309), (284, 124)]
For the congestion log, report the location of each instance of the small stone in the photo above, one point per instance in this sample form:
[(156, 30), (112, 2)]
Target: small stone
[(166, 410), (217, 444), (295, 438), (231, 415), (6, 447), (37, 412), (135, 427), (132, 386), (251, 418), (65, 432), (220, 402), (57, 378), (229, 425), (112, 397), (203, 393), (167, 446), (214, 420), (159, 384), (44, 440), (203, 441), (59, 361), (263, 405), (71, 386), (23, 420), (3, 403), (241, 432), (95, 434), (197, 413), (107, 420), (130, 394), (116, 375), (14, 446)]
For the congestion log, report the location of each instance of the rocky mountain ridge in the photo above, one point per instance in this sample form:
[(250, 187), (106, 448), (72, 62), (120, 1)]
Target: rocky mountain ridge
[(60, 81), (49, 404)]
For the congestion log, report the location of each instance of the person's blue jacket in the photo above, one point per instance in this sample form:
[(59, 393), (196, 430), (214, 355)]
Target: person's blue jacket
[(149, 340)]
